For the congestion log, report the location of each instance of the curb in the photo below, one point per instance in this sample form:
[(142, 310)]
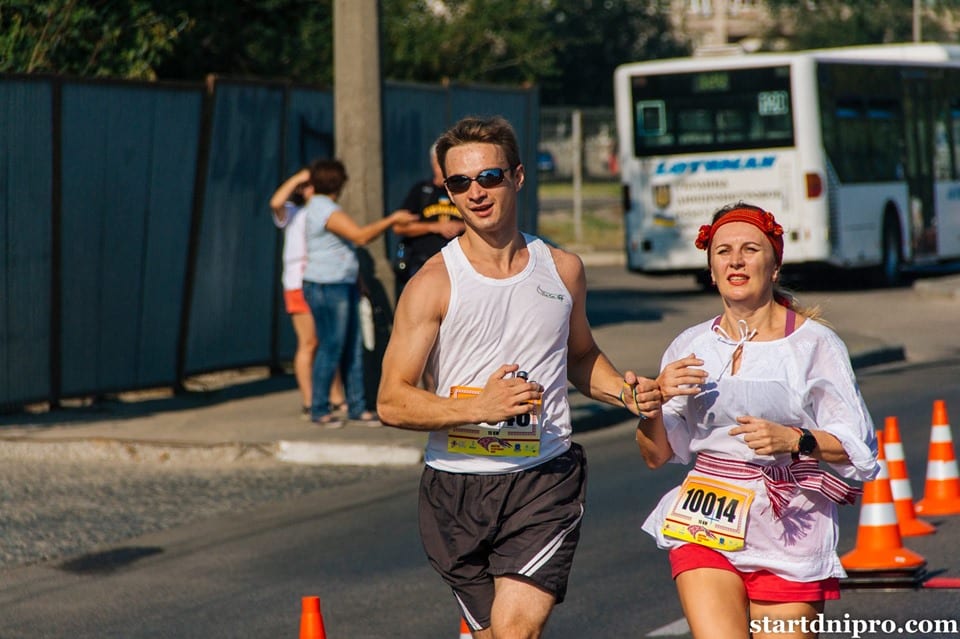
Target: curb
[(137, 452), (302, 452), (947, 288)]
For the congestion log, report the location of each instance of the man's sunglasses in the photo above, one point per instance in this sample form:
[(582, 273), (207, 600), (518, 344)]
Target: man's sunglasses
[(487, 178)]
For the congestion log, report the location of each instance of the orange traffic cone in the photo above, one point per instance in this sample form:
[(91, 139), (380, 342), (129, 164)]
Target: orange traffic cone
[(311, 620), (465, 629), (941, 495), (907, 520), (879, 546)]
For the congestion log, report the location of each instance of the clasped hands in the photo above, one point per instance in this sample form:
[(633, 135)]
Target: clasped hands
[(641, 395), (681, 377)]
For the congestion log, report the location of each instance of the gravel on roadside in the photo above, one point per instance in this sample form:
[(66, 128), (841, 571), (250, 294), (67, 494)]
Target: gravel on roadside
[(63, 501)]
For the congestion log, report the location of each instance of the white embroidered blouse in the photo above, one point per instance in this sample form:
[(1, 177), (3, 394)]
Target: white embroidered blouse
[(803, 380)]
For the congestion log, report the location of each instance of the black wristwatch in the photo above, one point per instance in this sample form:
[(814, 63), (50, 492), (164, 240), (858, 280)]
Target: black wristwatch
[(806, 445)]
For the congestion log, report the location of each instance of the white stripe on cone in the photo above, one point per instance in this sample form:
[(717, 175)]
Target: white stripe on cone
[(894, 452), (878, 515), (940, 434), (942, 470), (901, 489)]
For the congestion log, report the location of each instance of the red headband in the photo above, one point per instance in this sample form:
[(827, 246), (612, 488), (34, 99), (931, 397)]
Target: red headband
[(760, 219)]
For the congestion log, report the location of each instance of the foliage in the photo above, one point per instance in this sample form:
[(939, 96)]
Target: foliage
[(592, 37), (497, 41), (86, 37), (831, 23), (290, 39), (568, 47)]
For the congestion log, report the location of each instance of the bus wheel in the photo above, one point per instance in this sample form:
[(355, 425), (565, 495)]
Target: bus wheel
[(889, 272)]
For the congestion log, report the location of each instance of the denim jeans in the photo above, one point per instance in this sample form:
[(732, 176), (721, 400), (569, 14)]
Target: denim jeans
[(335, 313)]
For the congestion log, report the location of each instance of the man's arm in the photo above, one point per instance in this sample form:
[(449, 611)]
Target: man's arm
[(588, 368), (402, 403)]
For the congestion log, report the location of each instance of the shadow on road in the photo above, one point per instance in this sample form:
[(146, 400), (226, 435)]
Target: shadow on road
[(618, 305)]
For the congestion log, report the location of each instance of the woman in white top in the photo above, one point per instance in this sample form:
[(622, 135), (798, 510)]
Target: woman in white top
[(760, 396), (287, 204)]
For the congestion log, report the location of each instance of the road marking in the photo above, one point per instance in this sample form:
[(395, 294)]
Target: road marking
[(675, 629)]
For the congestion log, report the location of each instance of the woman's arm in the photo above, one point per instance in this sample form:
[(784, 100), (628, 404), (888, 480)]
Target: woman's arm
[(343, 226), (282, 195)]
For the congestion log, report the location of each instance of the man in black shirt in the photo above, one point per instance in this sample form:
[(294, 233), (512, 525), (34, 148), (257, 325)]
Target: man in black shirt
[(440, 221)]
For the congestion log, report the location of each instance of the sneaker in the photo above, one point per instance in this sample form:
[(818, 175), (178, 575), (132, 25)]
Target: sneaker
[(367, 418), (329, 422)]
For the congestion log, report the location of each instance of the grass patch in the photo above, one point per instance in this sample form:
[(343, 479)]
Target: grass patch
[(601, 221), (564, 190), (599, 231)]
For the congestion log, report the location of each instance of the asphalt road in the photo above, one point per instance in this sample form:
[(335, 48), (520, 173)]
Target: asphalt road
[(241, 572)]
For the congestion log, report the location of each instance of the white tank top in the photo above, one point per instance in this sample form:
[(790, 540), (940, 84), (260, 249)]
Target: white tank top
[(524, 319)]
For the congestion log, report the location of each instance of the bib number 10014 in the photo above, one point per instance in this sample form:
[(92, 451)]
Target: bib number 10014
[(708, 504), (709, 512)]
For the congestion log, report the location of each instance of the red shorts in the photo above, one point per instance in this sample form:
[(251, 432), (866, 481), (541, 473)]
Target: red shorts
[(761, 585), (295, 302)]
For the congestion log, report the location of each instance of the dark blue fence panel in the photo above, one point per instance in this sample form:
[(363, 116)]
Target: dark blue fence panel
[(309, 127), (26, 149), (137, 240), (413, 116), (232, 307), (520, 107), (128, 170)]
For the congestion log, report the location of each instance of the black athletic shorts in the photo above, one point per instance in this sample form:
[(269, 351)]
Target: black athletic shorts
[(525, 524)]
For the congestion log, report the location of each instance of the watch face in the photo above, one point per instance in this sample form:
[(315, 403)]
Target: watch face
[(807, 443)]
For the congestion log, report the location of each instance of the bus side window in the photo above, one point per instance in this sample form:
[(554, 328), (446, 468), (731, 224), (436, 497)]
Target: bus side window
[(941, 151), (884, 125), (955, 131), (852, 146)]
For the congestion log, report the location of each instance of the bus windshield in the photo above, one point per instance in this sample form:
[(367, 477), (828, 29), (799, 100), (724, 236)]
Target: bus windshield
[(716, 110)]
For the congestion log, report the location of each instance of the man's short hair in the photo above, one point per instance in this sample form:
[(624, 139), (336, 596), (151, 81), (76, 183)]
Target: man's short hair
[(472, 129)]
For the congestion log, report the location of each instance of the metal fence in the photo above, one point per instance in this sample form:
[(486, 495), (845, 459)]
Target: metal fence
[(136, 246)]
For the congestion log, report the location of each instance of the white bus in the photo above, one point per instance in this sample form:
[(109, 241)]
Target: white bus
[(856, 151)]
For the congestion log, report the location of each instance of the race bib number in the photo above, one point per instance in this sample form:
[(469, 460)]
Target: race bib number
[(516, 437), (711, 513)]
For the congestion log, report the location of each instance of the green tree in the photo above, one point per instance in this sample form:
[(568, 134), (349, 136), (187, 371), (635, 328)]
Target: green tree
[(568, 47), (86, 37), (290, 39), (592, 37), (499, 41), (832, 23)]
